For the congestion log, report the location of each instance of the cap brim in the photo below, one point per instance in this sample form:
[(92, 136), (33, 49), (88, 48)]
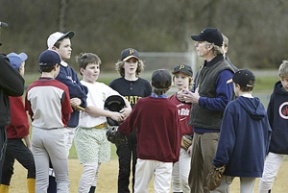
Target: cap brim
[(229, 81), (23, 56), (196, 38), (127, 58), (69, 35)]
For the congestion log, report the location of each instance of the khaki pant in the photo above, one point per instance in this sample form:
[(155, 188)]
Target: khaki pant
[(204, 148)]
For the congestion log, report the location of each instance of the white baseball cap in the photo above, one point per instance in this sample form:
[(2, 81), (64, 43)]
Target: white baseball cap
[(55, 37)]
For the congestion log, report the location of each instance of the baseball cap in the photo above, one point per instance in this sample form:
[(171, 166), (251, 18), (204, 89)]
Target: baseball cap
[(243, 77), (49, 58), (114, 103), (129, 53), (161, 78), (16, 60), (184, 69), (211, 35), (55, 37)]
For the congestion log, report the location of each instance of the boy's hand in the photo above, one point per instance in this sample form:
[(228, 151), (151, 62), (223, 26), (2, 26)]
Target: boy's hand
[(117, 116), (75, 102), (125, 112)]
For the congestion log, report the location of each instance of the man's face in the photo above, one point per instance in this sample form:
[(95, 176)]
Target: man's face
[(64, 49), (202, 48)]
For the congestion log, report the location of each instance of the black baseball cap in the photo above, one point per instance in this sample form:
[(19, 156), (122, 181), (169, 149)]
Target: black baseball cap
[(114, 103), (211, 35), (243, 77), (49, 58), (184, 69), (161, 78), (129, 53)]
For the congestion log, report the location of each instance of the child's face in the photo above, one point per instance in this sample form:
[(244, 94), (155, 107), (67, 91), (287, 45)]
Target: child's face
[(91, 72), (22, 69), (284, 82), (130, 66), (181, 81), (64, 49)]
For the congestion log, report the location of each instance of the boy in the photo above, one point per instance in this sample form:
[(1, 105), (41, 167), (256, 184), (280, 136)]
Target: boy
[(244, 134), (91, 143), (48, 103), (157, 126), (132, 87), (277, 115), (16, 131), (183, 77), (61, 43)]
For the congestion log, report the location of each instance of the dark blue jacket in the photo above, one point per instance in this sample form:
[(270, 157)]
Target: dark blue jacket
[(70, 78), (278, 117), (244, 138)]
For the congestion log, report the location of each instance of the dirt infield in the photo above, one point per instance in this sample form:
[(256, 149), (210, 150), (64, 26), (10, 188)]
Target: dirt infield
[(107, 181)]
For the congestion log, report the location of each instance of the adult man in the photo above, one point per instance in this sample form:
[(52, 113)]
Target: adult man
[(11, 84), (210, 97)]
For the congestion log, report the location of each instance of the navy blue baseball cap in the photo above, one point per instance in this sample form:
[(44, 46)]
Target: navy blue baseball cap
[(49, 58), (161, 79), (129, 53), (243, 77), (211, 35)]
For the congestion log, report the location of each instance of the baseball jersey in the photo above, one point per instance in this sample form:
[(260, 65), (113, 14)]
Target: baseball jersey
[(157, 127), (48, 103), (97, 94), (19, 126), (132, 90), (184, 115)]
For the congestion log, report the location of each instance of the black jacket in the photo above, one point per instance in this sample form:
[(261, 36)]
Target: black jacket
[(11, 84)]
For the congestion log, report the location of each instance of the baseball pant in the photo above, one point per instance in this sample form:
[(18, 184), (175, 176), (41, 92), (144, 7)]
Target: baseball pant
[(88, 177), (3, 143), (69, 138), (181, 172), (271, 167), (125, 152), (162, 175), (50, 143), (247, 185), (16, 149)]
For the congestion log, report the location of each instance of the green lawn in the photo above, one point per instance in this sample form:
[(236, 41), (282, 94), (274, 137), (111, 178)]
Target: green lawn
[(263, 89)]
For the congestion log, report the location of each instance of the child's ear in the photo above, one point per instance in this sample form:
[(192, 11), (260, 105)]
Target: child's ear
[(81, 70)]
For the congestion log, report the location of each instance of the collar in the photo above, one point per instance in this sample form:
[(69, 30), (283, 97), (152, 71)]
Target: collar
[(153, 95), (218, 58), (63, 63)]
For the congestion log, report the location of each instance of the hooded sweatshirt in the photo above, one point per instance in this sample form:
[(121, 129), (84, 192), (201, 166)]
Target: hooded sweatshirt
[(278, 117), (244, 138)]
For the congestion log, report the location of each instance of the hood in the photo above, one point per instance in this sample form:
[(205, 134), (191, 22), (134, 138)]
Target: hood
[(253, 107), (278, 89)]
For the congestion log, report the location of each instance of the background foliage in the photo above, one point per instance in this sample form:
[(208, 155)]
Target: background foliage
[(257, 29)]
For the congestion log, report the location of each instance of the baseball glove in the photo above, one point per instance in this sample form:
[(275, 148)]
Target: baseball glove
[(114, 136), (214, 177), (186, 141)]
